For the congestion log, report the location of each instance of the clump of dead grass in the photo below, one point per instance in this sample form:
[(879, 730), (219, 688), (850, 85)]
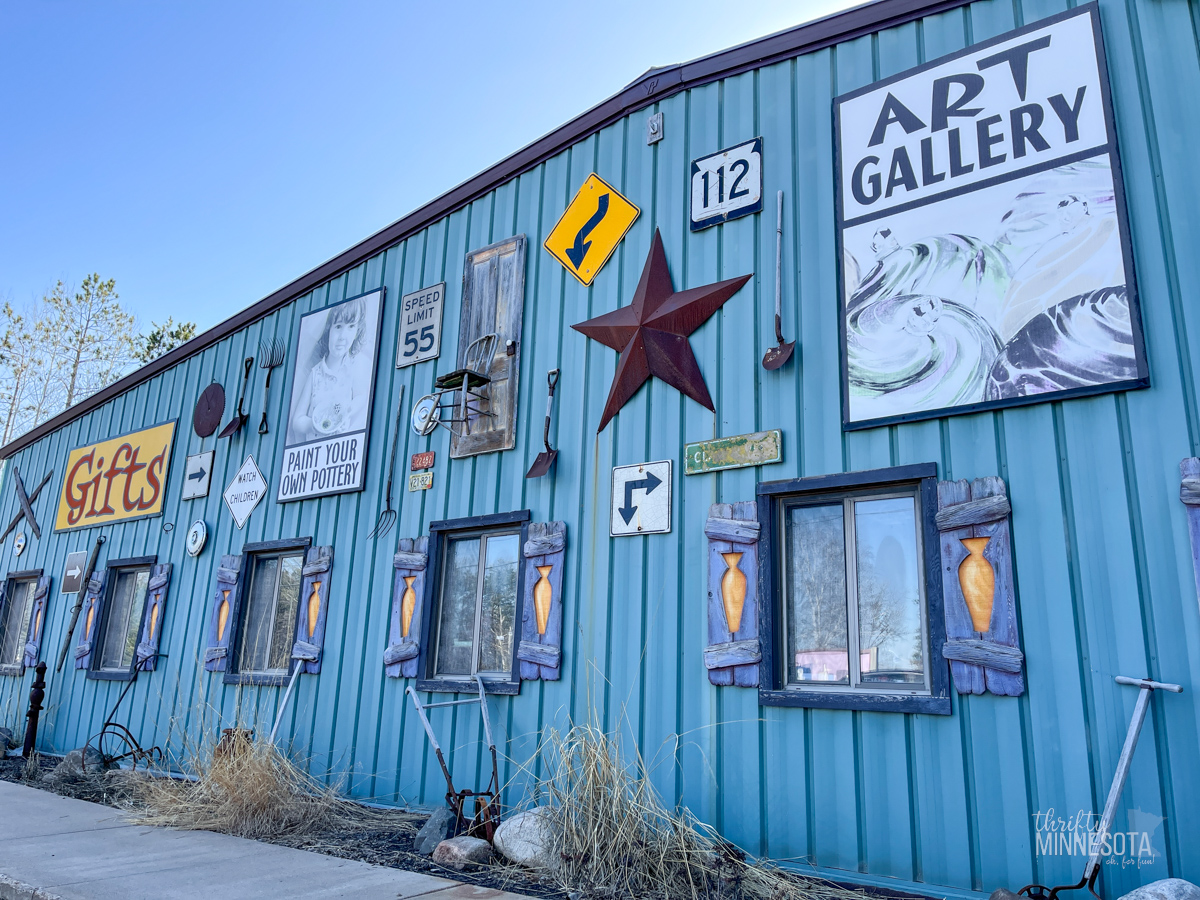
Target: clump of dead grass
[(616, 838), (252, 789)]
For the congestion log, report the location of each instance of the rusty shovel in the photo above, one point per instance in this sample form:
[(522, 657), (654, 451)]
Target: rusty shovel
[(546, 458), (777, 356)]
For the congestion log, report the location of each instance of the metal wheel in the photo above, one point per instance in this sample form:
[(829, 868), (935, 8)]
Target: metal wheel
[(425, 415)]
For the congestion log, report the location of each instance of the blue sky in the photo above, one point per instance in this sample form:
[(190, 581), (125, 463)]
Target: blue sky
[(204, 154)]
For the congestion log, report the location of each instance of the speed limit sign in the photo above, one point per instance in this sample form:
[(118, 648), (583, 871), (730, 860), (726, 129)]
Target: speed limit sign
[(420, 325)]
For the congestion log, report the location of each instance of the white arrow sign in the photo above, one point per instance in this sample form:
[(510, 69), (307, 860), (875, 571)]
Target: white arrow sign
[(75, 572)]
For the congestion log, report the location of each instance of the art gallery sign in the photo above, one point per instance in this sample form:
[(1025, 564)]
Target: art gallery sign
[(985, 252)]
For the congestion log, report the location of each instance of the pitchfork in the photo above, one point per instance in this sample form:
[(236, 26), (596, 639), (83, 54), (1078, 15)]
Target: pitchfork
[(270, 356), (387, 518)]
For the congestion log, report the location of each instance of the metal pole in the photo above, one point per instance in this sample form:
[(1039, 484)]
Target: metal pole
[(87, 576), (1123, 763), (36, 695), (286, 696)]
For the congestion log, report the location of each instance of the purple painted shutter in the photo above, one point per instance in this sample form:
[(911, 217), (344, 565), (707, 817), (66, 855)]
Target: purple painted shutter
[(733, 654), (410, 562), (220, 618), (89, 620), (37, 622), (314, 606), (152, 619), (540, 650), (989, 660)]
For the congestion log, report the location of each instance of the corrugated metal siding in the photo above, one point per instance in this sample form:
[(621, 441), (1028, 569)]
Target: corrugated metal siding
[(1101, 548)]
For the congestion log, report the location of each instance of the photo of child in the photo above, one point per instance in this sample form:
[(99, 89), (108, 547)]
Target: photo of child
[(335, 370)]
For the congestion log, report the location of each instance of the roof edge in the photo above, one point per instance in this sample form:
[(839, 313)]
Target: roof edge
[(652, 86)]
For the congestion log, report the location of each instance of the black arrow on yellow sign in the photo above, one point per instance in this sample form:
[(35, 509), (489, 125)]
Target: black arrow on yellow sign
[(577, 252)]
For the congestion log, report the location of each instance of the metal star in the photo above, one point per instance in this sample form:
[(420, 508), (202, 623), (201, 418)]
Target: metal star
[(651, 333)]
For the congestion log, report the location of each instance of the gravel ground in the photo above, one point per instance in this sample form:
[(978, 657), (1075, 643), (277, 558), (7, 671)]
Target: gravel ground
[(380, 848)]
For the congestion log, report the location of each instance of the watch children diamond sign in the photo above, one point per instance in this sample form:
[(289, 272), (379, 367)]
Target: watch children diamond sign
[(985, 252)]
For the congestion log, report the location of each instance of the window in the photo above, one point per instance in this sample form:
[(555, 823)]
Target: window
[(477, 607), (268, 606), (14, 621), (121, 619), (856, 606)]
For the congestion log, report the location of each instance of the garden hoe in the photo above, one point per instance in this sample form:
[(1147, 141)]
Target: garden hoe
[(239, 417)]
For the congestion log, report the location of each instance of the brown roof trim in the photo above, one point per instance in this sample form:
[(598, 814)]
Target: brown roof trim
[(655, 85)]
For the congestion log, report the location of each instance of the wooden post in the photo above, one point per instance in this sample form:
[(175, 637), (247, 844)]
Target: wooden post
[(36, 695)]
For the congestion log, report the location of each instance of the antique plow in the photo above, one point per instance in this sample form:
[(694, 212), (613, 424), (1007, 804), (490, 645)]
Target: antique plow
[(487, 801), (1092, 869), (115, 731)]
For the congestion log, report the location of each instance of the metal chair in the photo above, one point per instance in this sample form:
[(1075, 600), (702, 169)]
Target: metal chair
[(466, 392)]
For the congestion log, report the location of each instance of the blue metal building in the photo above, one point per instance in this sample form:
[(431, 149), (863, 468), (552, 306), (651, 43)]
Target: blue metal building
[(946, 796)]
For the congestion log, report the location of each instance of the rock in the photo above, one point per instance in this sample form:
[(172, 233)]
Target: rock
[(1004, 894), (7, 741), (458, 852), (74, 763), (436, 829), (1166, 889), (528, 838)]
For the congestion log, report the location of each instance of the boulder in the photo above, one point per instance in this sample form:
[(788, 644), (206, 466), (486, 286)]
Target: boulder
[(1004, 894), (74, 764), (1166, 889), (461, 851), (528, 838), (8, 741), (438, 827)]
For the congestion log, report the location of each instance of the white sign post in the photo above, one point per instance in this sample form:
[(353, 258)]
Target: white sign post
[(245, 491), (197, 476), (641, 499), (420, 325)]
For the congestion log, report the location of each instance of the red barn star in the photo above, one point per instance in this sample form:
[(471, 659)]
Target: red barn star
[(651, 333)]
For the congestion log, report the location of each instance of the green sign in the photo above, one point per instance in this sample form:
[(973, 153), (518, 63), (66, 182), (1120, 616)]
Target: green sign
[(735, 452)]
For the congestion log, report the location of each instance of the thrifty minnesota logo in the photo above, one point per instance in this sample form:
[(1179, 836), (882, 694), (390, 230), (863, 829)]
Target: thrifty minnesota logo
[(594, 223)]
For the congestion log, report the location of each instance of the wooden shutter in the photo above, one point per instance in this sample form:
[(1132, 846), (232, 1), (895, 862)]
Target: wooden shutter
[(89, 619), (37, 622), (987, 658), (408, 598), (734, 650), (152, 619), (494, 301), (314, 606), (540, 650), (220, 619)]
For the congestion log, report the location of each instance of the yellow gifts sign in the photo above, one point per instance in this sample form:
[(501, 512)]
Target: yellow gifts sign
[(116, 480)]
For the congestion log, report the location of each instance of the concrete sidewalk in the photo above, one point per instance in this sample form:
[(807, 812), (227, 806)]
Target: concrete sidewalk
[(54, 847)]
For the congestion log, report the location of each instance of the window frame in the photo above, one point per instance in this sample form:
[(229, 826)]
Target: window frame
[(773, 498), (439, 535), (249, 553), (112, 569), (17, 669)]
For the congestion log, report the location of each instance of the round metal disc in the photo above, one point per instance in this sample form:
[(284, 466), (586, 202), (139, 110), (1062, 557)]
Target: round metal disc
[(425, 415), (209, 409)]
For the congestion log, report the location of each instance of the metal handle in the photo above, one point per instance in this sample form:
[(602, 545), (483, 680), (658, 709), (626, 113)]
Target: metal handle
[(1152, 685), (779, 269), (395, 441)]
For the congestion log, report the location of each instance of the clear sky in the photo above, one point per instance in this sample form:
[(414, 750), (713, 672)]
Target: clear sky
[(205, 153)]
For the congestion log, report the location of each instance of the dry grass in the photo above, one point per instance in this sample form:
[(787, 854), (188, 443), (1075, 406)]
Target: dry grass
[(616, 838), (251, 789)]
